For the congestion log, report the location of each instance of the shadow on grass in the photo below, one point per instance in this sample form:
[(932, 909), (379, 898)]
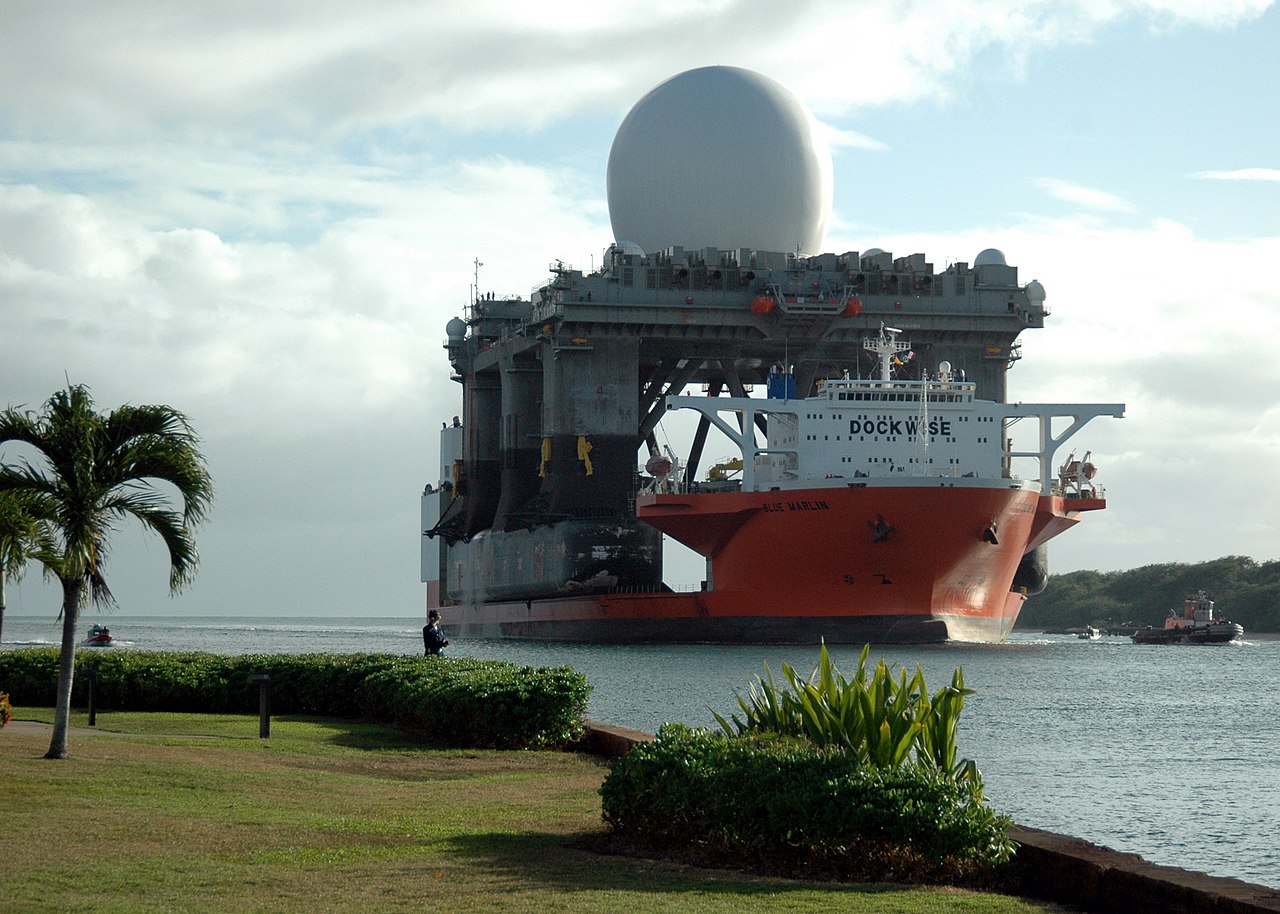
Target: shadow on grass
[(590, 862), (359, 734), (351, 734)]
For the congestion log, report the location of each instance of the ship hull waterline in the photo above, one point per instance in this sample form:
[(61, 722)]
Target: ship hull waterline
[(851, 564)]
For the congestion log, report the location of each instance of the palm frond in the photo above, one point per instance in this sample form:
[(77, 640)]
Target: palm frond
[(98, 469)]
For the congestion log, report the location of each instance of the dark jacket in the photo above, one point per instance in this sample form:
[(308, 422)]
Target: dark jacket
[(433, 639)]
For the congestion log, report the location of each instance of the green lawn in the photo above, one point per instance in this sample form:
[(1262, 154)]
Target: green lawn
[(193, 813)]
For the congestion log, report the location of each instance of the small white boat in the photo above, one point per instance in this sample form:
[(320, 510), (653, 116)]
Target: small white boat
[(1090, 634)]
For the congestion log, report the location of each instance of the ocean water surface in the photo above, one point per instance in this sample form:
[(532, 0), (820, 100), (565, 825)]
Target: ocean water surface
[(1171, 752)]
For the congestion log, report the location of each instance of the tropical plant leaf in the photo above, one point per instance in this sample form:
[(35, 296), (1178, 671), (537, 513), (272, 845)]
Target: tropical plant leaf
[(879, 716)]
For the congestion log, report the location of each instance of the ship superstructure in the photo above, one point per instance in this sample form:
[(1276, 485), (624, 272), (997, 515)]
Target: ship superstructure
[(881, 509), (533, 528)]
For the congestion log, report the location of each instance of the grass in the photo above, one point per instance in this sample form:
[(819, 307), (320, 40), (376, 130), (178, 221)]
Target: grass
[(193, 813)]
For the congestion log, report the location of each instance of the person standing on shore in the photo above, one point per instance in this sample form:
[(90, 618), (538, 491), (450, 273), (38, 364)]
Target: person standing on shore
[(433, 640)]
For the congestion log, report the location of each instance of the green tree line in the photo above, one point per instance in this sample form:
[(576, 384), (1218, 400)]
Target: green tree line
[(1243, 590)]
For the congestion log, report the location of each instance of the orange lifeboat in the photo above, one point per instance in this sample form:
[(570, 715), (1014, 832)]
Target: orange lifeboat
[(658, 465)]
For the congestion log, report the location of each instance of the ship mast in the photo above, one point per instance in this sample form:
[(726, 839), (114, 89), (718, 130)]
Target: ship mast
[(475, 288), (886, 346), (922, 428)]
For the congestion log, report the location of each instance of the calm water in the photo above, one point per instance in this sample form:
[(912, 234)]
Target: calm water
[(1172, 752)]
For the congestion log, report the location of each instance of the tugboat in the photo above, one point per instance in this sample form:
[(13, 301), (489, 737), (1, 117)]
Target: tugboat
[(1196, 625), (99, 636)]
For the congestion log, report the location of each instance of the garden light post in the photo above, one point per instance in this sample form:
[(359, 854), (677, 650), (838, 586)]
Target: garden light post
[(264, 703)]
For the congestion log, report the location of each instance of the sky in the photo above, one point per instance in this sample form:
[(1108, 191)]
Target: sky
[(263, 215)]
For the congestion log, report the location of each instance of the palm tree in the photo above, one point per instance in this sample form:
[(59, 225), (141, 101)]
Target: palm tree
[(96, 470), (22, 537)]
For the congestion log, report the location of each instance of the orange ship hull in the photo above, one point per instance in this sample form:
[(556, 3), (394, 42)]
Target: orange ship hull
[(893, 563)]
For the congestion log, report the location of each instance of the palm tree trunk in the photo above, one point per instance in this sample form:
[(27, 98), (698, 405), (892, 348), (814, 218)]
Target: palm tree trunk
[(3, 601), (73, 594)]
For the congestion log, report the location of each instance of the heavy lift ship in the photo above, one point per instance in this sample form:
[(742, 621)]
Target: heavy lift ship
[(532, 530)]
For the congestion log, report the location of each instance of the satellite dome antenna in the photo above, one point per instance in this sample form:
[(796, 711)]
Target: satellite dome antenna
[(692, 131)]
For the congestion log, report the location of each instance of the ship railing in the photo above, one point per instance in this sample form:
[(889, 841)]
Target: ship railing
[(712, 485), (742, 433), (819, 299), (654, 588), (1091, 491), (936, 472), (1048, 437), (546, 310)]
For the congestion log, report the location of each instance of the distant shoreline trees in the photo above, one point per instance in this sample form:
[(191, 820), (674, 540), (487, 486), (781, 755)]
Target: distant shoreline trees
[(1244, 591)]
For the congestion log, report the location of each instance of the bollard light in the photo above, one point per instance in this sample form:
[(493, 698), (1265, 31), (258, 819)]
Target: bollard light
[(264, 703)]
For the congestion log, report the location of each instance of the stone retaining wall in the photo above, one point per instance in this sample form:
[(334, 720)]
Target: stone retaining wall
[(1068, 870), (611, 742), (1072, 871)]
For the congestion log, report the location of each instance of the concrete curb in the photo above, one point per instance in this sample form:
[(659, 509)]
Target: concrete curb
[(1073, 871), (609, 741), (1068, 870)]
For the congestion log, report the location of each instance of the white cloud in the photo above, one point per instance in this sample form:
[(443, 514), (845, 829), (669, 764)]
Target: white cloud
[(207, 72), (1088, 197), (838, 138), (1241, 174), (1224, 14), (332, 325), (314, 369)]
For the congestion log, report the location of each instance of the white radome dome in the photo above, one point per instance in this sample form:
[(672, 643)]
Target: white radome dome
[(988, 257), (1035, 292), (629, 247), (720, 157)]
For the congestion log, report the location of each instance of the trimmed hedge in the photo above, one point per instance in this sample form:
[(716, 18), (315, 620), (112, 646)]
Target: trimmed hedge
[(787, 808), (452, 701)]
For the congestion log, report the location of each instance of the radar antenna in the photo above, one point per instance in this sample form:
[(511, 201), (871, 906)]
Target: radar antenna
[(886, 346), (475, 287)]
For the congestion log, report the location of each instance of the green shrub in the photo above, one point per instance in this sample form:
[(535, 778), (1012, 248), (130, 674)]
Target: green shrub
[(30, 676), (843, 778), (455, 701), (880, 721), (481, 702), (785, 807)]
